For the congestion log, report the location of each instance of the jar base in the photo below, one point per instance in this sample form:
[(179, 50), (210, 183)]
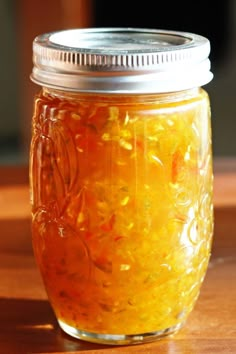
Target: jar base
[(118, 339)]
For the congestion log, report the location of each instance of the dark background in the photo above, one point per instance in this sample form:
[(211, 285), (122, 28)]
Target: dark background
[(208, 18)]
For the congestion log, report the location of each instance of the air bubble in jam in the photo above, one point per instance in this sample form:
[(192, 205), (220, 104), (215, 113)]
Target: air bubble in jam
[(122, 207)]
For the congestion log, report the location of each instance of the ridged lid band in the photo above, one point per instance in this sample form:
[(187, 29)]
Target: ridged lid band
[(121, 60)]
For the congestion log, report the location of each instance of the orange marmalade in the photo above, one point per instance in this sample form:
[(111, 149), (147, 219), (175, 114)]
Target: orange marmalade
[(122, 217)]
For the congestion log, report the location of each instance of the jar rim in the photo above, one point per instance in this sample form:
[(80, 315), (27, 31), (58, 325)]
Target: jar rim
[(121, 60)]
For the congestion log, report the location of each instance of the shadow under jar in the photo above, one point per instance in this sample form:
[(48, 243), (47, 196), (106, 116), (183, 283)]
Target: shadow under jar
[(121, 179)]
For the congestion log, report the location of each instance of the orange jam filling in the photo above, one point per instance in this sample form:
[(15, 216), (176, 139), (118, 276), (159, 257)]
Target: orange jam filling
[(122, 207)]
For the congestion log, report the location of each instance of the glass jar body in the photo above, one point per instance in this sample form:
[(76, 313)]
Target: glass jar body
[(121, 190)]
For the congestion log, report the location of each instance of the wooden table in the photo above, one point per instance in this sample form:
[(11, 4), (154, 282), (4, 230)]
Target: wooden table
[(27, 323)]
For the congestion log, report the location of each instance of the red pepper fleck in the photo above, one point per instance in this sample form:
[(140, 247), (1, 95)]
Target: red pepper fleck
[(177, 164), (88, 234), (118, 237), (108, 226), (140, 144)]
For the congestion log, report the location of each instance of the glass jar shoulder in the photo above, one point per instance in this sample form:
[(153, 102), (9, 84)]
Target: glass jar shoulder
[(87, 104)]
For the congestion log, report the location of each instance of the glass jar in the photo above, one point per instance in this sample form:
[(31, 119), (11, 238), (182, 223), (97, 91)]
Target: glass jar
[(121, 179)]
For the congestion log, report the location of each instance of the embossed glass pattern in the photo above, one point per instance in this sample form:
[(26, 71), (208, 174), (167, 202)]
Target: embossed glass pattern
[(122, 214)]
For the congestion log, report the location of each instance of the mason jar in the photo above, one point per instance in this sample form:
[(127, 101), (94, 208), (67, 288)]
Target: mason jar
[(121, 179)]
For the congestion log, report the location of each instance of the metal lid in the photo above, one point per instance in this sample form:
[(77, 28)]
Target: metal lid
[(121, 60)]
